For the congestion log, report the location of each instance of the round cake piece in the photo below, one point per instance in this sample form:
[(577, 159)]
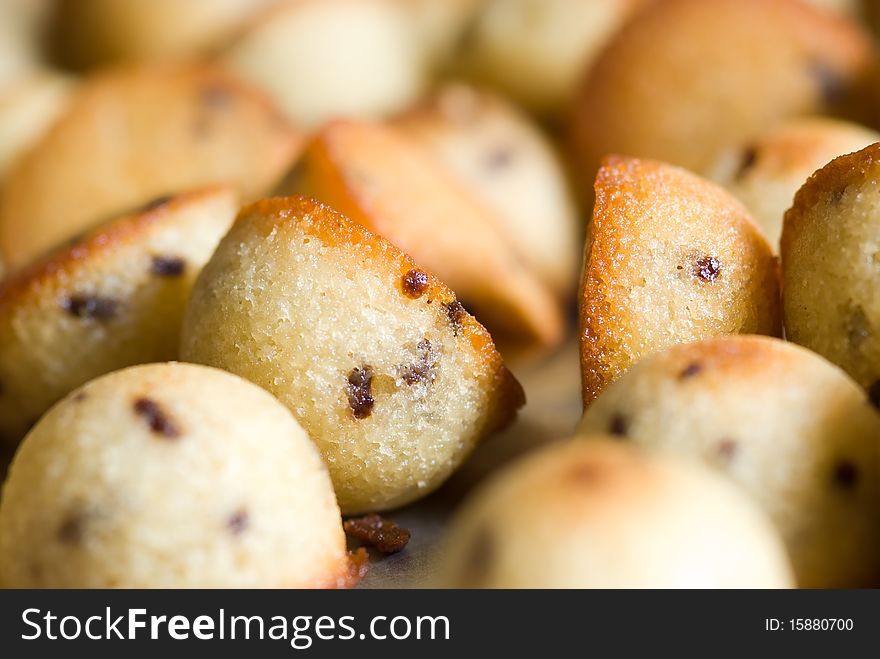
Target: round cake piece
[(602, 515), (112, 298), (170, 476), (793, 430), (502, 156), (323, 59), (768, 171), (131, 135), (686, 80), (537, 50), (376, 358), (670, 258), (831, 266), (384, 179)]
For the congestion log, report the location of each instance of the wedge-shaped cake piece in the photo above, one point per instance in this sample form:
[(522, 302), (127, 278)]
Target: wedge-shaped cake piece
[(792, 429), (686, 80), (129, 136), (113, 298), (88, 33), (502, 156), (387, 182), (768, 171), (375, 357), (601, 515), (322, 59), (670, 259), (170, 476), (831, 266)]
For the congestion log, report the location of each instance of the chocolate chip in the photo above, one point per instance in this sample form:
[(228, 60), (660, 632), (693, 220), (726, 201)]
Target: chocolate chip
[(79, 396), (707, 268), (93, 307), (455, 313), (831, 86), (618, 426), (585, 472), (480, 555), (858, 327), (159, 422), (238, 522), (216, 96), (422, 369), (690, 370), (874, 394), (359, 390), (168, 266), (71, 530), (376, 531), (835, 196), (748, 160), (414, 283), (499, 158), (727, 449), (846, 475), (158, 202)]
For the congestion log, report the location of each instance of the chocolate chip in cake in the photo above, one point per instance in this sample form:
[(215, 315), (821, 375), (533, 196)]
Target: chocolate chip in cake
[(858, 327), (414, 283), (70, 532), (93, 307), (216, 96), (747, 161), (422, 370), (707, 268), (830, 84), (480, 555), (79, 396), (238, 522), (618, 425), (727, 449), (455, 313), (499, 158), (360, 393), (158, 202), (168, 266), (846, 475), (158, 420), (874, 394), (585, 472), (690, 370)]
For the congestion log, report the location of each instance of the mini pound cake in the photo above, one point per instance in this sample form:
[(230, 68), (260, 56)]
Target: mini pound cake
[(114, 297), (502, 156), (375, 357), (170, 476), (84, 34), (686, 80), (603, 515), (131, 135), (831, 266), (670, 258), (536, 50), (793, 430), (323, 59), (768, 171), (385, 180)]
